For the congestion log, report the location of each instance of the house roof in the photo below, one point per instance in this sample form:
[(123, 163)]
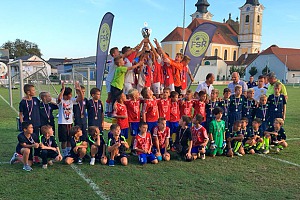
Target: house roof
[(224, 34), (212, 58), (246, 58), (288, 56)]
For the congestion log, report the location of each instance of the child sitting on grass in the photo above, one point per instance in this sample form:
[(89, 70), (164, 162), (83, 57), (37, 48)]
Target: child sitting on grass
[(97, 145)]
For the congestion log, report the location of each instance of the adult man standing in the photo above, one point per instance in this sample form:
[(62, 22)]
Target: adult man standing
[(207, 84), (235, 77), (272, 80), (251, 83)]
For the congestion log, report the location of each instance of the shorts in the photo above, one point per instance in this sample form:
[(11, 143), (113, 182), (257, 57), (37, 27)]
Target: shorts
[(30, 154), (127, 87), (124, 132), (145, 158), (36, 134), (178, 89), (119, 157), (64, 132), (134, 128), (173, 127), (217, 151), (156, 88), (108, 86), (151, 126), (73, 155), (196, 149), (162, 151), (171, 87)]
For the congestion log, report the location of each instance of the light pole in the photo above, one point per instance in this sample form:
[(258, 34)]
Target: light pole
[(183, 26)]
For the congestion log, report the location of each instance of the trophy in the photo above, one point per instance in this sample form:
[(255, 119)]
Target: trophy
[(146, 31)]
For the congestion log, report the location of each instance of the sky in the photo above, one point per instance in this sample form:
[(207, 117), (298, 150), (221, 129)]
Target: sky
[(69, 28)]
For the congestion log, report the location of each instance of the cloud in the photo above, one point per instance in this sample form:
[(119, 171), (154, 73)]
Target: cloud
[(154, 4)]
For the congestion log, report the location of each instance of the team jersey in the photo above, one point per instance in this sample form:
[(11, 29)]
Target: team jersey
[(147, 72), (133, 110), (236, 104), (142, 142), (46, 113), (276, 103), (231, 133), (162, 136), (129, 76), (92, 140), (79, 110), (75, 142), (31, 111), (175, 112), (151, 110), (199, 135), (249, 108), (113, 140), (50, 142), (164, 106), (281, 134), (183, 75), (183, 136), (121, 110), (157, 74), (262, 112), (251, 133), (65, 111), (245, 132), (199, 108), (168, 75), (177, 68), (217, 129), (224, 104), (95, 113), (210, 107), (23, 139), (186, 107)]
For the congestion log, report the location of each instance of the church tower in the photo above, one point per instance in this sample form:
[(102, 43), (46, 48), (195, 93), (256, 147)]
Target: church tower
[(251, 15), (202, 11)]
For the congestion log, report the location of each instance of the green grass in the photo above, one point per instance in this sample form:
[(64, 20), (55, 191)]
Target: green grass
[(251, 176)]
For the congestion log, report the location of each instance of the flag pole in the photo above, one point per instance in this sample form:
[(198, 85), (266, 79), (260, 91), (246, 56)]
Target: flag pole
[(183, 25)]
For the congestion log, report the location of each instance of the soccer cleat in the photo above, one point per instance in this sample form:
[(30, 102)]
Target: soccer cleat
[(50, 162), (266, 151), (79, 161), (36, 160), (92, 162), (276, 142), (277, 150), (238, 154), (14, 158), (111, 163), (202, 156), (27, 168), (45, 166)]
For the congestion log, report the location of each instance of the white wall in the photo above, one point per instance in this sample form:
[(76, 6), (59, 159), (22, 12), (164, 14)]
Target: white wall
[(203, 71)]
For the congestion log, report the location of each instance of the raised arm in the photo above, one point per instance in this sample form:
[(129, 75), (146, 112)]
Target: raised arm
[(61, 94)]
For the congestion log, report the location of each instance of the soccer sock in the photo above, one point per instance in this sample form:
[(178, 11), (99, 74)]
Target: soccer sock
[(259, 145), (237, 146), (110, 107), (280, 146), (106, 107), (68, 149), (266, 142), (63, 152)]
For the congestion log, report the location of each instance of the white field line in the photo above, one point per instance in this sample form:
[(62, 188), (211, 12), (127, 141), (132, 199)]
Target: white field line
[(291, 139), (8, 104), (4, 163), (93, 185), (280, 160)]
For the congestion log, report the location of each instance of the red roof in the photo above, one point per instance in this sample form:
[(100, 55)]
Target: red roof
[(224, 34), (288, 56)]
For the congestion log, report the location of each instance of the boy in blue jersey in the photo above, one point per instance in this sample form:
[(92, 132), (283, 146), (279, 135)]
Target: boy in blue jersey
[(234, 139), (24, 147), (48, 146), (95, 109), (249, 107), (254, 138), (79, 111), (46, 110), (117, 146), (78, 146), (277, 104), (224, 105), (236, 105), (209, 107), (97, 145), (262, 112), (276, 136), (29, 110)]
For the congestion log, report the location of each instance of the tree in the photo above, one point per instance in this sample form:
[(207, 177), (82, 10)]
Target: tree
[(20, 48), (241, 70), (253, 71), (266, 70)]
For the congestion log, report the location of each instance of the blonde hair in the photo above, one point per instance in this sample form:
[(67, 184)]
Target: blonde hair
[(279, 121), (263, 96), (216, 91), (250, 90), (132, 92), (237, 87), (43, 94), (45, 129)]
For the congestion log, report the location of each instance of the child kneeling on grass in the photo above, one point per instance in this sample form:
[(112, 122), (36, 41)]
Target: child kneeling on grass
[(78, 146), (117, 146), (143, 145), (24, 147), (48, 146), (276, 134), (97, 145), (200, 138)]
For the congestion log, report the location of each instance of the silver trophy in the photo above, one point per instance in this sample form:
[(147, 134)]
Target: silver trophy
[(146, 31)]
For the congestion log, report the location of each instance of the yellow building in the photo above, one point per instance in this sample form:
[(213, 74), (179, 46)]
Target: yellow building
[(232, 38)]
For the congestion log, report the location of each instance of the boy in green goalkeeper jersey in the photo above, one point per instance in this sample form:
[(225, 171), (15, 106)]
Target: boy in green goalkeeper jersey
[(217, 133)]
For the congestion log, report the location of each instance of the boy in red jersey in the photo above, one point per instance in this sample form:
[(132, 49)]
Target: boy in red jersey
[(133, 111), (120, 112), (150, 110), (186, 104), (174, 116), (185, 70), (164, 105), (143, 145), (199, 105), (200, 138), (161, 135)]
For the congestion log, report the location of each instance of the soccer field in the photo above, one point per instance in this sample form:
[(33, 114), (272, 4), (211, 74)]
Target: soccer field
[(272, 176)]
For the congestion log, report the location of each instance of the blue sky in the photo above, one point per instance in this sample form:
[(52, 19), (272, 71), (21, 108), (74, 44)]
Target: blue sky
[(69, 28)]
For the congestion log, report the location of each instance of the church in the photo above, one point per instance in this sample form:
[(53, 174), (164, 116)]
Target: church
[(233, 38)]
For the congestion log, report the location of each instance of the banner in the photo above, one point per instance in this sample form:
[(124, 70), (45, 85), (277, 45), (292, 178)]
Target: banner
[(197, 46), (102, 47)]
